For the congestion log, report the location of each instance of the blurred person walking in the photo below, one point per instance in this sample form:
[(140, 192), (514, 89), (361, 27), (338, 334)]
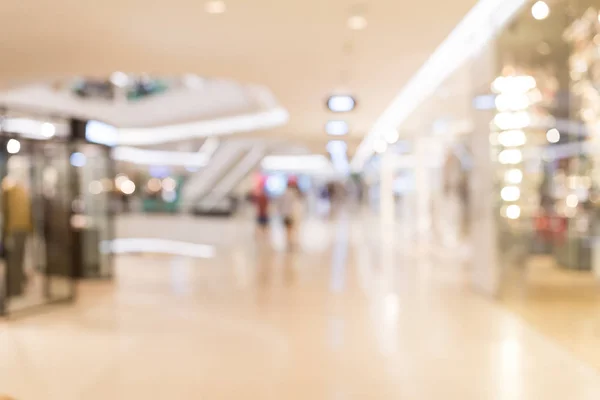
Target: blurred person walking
[(261, 201), (290, 209)]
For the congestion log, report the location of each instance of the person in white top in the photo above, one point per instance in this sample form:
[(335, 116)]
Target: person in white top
[(290, 209)]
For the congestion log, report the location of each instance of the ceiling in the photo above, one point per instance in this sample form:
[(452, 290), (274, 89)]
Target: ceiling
[(301, 50)]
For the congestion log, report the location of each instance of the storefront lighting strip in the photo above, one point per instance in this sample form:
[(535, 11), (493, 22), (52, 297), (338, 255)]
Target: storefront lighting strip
[(476, 29), (34, 129)]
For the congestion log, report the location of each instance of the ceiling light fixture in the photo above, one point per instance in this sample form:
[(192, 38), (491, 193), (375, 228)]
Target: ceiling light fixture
[(510, 193), (215, 7), (119, 79), (48, 130), (357, 22), (341, 103), (540, 10), (101, 133), (553, 135), (337, 128), (513, 211), (13, 146), (510, 156), (512, 138), (513, 176)]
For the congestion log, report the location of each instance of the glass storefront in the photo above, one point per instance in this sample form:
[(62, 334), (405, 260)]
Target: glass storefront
[(519, 125), (543, 134), (55, 212), (536, 184)]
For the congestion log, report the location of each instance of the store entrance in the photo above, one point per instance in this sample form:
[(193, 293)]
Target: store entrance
[(37, 263)]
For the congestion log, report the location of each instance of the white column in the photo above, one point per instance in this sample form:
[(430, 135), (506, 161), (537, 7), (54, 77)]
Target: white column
[(423, 188), (484, 246), (387, 208)]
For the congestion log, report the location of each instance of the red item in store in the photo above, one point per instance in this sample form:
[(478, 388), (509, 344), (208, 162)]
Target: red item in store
[(551, 228)]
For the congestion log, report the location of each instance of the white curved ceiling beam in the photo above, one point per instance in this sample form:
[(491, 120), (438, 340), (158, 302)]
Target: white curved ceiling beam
[(223, 126)]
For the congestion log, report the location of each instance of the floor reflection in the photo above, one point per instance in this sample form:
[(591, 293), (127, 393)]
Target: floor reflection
[(341, 317), (562, 304)]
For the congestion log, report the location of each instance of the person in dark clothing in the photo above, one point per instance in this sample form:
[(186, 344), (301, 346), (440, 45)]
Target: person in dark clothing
[(262, 212)]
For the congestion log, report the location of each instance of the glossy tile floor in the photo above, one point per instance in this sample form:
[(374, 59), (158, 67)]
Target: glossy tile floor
[(560, 303), (342, 317)]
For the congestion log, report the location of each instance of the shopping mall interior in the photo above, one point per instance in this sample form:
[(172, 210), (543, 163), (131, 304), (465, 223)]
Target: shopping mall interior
[(336, 200)]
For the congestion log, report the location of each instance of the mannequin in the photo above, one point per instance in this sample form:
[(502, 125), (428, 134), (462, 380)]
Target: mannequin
[(17, 225)]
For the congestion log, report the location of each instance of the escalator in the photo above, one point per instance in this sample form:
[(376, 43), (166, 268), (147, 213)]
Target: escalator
[(209, 192), (201, 183)]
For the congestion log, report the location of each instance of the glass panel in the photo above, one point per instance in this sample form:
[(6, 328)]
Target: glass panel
[(35, 216), (55, 184), (92, 221)]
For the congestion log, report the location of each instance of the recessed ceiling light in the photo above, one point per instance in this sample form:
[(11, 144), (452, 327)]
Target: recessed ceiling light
[(341, 103), (215, 7), (540, 10), (336, 128), (357, 22), (119, 79)]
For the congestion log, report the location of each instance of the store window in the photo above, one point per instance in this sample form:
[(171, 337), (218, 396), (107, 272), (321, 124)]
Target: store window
[(543, 167), (54, 209)]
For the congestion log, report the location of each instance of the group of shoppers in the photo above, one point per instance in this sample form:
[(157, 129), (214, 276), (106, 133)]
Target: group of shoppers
[(288, 206)]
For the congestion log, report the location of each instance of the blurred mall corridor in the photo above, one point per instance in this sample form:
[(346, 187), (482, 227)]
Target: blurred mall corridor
[(344, 318), (300, 200)]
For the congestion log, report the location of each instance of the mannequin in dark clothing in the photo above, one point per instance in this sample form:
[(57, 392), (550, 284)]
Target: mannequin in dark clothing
[(17, 225)]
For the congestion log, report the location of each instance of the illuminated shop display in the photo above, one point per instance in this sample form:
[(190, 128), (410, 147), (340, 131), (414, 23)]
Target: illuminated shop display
[(513, 133), (545, 132)]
